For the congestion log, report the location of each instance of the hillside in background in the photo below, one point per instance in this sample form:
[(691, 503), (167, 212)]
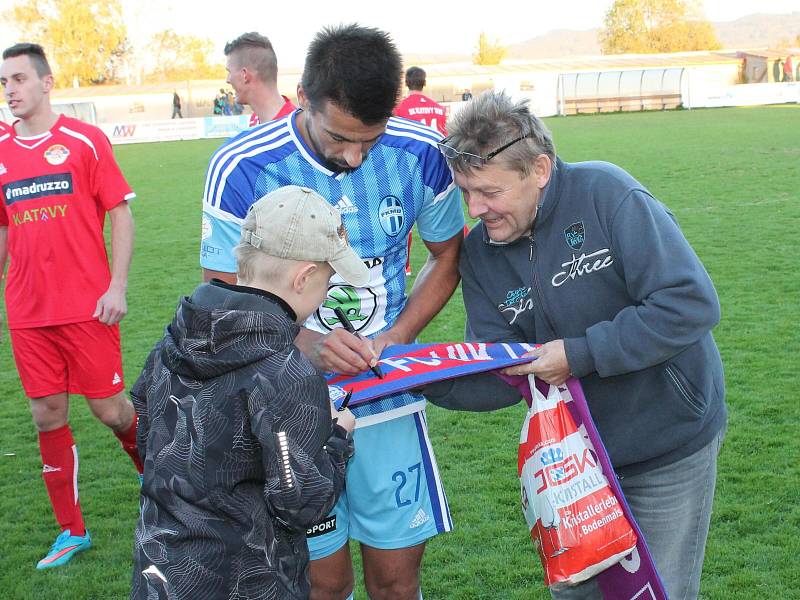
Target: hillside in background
[(752, 31), (558, 43), (759, 31)]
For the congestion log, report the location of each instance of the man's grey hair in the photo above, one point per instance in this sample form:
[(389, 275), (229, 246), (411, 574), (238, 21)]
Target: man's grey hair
[(255, 52), (492, 120)]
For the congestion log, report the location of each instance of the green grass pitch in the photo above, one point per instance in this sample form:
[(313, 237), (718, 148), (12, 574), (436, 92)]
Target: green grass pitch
[(731, 176)]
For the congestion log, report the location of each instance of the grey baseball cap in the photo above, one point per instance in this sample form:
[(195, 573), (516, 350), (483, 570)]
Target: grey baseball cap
[(297, 223)]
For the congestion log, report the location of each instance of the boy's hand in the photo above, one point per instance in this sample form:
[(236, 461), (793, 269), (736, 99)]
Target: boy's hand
[(344, 418)]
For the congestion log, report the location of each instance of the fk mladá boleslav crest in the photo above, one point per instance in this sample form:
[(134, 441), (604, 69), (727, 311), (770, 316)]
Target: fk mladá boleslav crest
[(391, 216)]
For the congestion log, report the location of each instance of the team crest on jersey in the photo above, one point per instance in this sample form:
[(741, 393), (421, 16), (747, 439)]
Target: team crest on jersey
[(56, 154), (391, 215), (575, 235), (359, 308)]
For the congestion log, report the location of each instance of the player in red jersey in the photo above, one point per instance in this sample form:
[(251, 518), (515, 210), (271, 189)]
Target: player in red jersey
[(253, 74), (418, 107), (287, 108), (57, 182)]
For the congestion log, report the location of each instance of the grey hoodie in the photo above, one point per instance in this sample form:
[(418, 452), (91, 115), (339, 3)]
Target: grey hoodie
[(608, 270)]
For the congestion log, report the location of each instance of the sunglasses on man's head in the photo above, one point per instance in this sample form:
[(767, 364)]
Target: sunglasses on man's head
[(474, 160)]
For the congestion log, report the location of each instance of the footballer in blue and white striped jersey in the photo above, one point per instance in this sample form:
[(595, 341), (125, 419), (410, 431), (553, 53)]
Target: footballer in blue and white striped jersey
[(402, 180)]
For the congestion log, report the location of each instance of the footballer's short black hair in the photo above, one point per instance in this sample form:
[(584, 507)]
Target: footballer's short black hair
[(357, 68), (255, 52), (415, 79), (33, 51)]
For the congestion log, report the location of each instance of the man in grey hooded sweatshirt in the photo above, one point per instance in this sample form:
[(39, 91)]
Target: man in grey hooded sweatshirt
[(581, 258)]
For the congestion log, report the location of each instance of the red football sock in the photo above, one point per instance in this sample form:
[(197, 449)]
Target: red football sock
[(60, 474), (128, 440)]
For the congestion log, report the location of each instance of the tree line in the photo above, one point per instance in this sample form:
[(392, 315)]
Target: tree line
[(87, 40), (87, 43)]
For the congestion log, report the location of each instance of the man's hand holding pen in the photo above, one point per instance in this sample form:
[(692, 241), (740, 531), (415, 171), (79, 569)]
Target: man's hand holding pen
[(373, 363), (340, 351)]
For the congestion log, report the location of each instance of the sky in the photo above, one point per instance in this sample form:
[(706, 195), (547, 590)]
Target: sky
[(424, 27)]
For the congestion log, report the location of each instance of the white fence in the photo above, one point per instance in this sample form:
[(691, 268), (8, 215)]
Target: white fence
[(168, 130), (747, 94), (559, 94), (677, 88)]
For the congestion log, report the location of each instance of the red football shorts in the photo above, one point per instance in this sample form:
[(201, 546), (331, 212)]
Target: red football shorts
[(78, 358)]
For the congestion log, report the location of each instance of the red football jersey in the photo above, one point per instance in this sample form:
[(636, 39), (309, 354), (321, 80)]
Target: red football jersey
[(55, 190), (419, 107), (285, 110)]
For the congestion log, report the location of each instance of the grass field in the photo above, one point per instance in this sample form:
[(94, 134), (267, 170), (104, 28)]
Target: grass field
[(732, 177)]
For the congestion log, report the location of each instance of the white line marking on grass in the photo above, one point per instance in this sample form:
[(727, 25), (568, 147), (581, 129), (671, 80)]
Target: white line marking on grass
[(732, 205)]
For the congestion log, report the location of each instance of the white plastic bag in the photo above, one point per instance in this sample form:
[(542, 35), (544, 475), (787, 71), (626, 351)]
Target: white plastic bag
[(574, 518)]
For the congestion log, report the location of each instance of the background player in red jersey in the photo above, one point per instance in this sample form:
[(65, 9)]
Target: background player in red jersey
[(253, 74), (418, 107), (59, 179)]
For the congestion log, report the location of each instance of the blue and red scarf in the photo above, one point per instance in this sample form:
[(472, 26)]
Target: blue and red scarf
[(416, 365)]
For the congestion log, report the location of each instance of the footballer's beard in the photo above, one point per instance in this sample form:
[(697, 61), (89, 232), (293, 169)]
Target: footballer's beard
[(331, 163)]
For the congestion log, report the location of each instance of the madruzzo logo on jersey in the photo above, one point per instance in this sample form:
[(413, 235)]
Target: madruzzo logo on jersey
[(38, 187), (391, 215)]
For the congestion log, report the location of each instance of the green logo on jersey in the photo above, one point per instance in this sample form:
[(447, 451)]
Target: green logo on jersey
[(345, 297)]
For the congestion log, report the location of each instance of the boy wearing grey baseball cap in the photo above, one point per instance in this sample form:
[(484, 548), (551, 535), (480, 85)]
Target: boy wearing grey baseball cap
[(241, 449)]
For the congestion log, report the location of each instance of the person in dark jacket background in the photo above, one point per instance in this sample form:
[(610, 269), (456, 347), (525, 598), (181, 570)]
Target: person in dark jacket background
[(241, 452), (176, 105), (584, 260)]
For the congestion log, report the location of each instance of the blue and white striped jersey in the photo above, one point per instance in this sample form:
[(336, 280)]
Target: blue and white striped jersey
[(403, 180)]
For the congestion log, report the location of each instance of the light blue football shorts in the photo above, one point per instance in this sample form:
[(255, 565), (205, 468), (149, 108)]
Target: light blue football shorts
[(393, 498)]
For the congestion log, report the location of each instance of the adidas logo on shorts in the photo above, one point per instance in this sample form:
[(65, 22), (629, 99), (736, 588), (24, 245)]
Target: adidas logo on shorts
[(419, 519), (116, 379)]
